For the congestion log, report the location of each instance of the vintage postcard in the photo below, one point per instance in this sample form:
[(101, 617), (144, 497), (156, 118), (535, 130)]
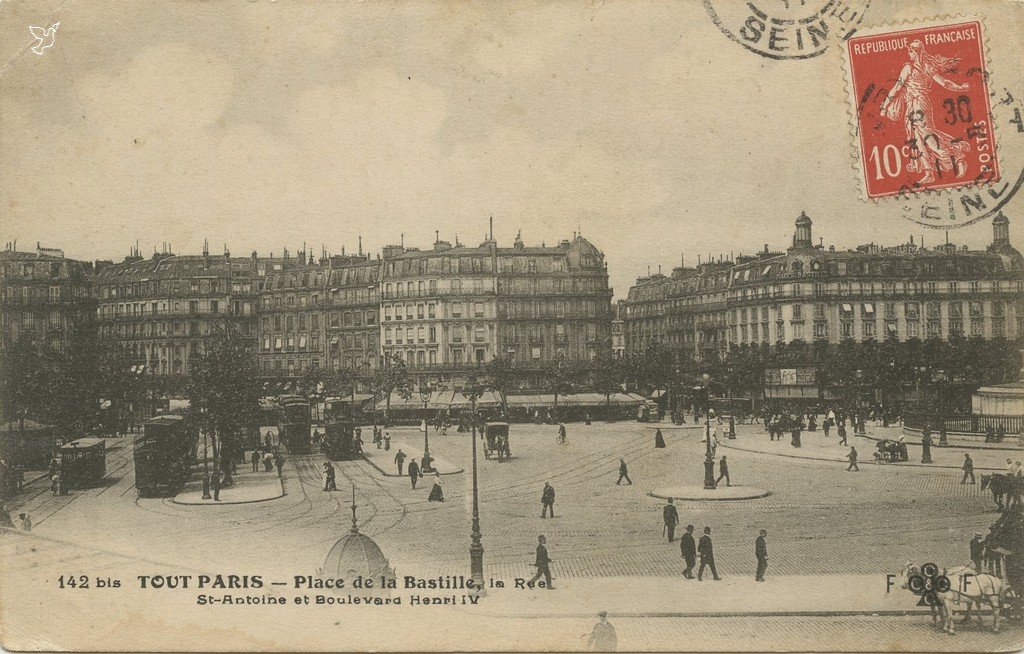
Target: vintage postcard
[(511, 326)]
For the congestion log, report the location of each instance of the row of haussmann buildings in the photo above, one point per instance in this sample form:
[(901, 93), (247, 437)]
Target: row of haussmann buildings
[(449, 309)]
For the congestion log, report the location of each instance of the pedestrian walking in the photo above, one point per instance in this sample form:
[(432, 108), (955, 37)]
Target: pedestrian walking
[(723, 470), (255, 460), (603, 637), (659, 440), (414, 472), (26, 521), (400, 460), (623, 473), (279, 463), (268, 461), (671, 519), (761, 554), (968, 469), (55, 482), (543, 564), (547, 500), (329, 481), (826, 427), (852, 456), (562, 435), (707, 556), (688, 548), (387, 442)]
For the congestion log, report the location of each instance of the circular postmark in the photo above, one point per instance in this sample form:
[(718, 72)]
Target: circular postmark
[(786, 29), (985, 199)]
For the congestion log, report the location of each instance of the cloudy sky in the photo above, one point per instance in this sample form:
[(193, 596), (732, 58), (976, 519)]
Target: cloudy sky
[(263, 124)]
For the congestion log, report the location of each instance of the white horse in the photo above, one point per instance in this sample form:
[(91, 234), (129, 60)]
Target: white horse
[(977, 589), (965, 586), (940, 611)]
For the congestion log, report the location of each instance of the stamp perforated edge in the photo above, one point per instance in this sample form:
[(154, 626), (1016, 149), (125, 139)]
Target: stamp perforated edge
[(853, 124)]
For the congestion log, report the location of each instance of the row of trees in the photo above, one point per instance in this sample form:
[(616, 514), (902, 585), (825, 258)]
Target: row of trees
[(89, 384)]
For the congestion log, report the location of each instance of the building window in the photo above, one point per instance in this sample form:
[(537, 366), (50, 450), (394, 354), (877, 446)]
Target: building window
[(478, 309), (867, 329), (456, 310), (797, 312), (821, 330)]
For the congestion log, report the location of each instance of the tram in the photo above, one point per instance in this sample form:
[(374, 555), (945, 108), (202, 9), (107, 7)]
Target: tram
[(340, 442), (293, 423), (83, 463), (164, 454)]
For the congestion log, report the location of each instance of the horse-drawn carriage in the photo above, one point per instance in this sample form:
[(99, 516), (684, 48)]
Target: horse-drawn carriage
[(890, 450), (496, 441)]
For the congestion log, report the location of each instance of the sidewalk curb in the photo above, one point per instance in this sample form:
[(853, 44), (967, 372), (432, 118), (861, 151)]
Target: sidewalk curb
[(280, 483), (396, 475), (899, 464), (973, 448)]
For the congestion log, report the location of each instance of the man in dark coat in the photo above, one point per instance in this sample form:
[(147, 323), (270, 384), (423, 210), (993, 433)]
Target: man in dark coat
[(977, 552), (761, 553), (707, 556), (623, 473), (968, 469), (852, 456), (671, 517), (547, 501), (329, 483), (689, 550), (255, 460), (842, 431), (400, 460), (414, 472), (723, 469), (543, 564)]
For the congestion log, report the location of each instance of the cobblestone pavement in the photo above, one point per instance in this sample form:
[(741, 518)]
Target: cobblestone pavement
[(820, 519)]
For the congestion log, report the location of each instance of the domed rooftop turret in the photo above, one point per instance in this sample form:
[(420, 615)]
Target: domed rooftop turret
[(356, 554)]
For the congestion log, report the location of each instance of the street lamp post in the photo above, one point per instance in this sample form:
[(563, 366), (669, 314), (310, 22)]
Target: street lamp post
[(425, 394), (709, 457), (473, 390)]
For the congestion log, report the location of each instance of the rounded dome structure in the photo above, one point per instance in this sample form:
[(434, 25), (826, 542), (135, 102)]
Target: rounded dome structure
[(356, 555)]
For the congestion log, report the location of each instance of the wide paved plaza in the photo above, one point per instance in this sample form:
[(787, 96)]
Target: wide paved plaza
[(833, 536)]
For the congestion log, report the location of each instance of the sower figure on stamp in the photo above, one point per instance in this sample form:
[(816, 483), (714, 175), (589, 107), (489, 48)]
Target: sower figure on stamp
[(543, 565), (909, 102), (547, 501), (671, 518), (707, 556), (688, 547)]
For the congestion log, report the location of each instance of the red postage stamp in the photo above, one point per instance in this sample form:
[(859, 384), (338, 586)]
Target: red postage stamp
[(922, 109)]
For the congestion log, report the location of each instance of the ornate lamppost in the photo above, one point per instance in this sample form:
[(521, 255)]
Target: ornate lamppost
[(425, 393), (473, 390), (709, 457)]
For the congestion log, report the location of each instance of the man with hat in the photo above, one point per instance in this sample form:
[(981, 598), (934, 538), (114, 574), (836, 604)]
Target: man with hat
[(689, 551), (603, 637), (977, 552), (761, 553), (671, 518), (707, 556), (543, 564)]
